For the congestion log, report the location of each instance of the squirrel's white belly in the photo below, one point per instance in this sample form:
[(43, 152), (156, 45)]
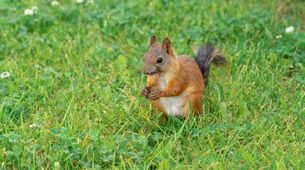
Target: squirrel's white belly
[(171, 105)]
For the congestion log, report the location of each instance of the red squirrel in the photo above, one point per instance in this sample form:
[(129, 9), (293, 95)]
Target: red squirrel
[(175, 80)]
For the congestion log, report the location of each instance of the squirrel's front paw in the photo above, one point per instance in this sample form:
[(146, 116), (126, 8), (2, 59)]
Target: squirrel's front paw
[(145, 92), (155, 95)]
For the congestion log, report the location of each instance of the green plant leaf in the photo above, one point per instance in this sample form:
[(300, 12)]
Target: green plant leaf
[(223, 110), (55, 148), (220, 93), (3, 136), (280, 165), (93, 134), (299, 78), (120, 63), (53, 131), (83, 135), (131, 154), (122, 149), (164, 164), (244, 113), (13, 137), (46, 76), (139, 154), (249, 158), (298, 165), (107, 94), (273, 57)]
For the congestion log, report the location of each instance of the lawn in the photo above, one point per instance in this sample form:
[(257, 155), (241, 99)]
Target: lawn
[(72, 98)]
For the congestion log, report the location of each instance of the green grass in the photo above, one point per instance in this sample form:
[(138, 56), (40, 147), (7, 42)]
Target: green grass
[(76, 73)]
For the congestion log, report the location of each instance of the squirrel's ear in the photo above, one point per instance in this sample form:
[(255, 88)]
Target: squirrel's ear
[(153, 40), (167, 44)]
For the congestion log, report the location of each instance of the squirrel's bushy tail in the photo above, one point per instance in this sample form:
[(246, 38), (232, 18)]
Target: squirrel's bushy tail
[(204, 57)]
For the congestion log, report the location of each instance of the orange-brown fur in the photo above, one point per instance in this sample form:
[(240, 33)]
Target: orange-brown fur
[(182, 77)]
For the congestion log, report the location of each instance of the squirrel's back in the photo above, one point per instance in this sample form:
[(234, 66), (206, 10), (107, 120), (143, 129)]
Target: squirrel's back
[(190, 70)]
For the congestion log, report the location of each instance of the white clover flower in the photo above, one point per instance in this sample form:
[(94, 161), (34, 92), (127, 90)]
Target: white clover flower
[(32, 126), (34, 7), (54, 3), (28, 12), (79, 1), (90, 1), (278, 36), (104, 111), (289, 29), (5, 75), (56, 164)]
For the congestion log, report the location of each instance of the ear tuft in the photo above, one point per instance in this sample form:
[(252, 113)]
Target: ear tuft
[(153, 40), (167, 44)]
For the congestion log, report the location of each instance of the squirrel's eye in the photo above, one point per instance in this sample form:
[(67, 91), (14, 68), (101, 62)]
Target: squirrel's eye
[(159, 60)]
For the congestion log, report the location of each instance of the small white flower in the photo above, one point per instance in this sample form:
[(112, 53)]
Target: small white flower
[(54, 3), (5, 75), (56, 164), (90, 1), (289, 29), (28, 12), (32, 126), (104, 111), (278, 36), (79, 1), (96, 119), (34, 7)]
